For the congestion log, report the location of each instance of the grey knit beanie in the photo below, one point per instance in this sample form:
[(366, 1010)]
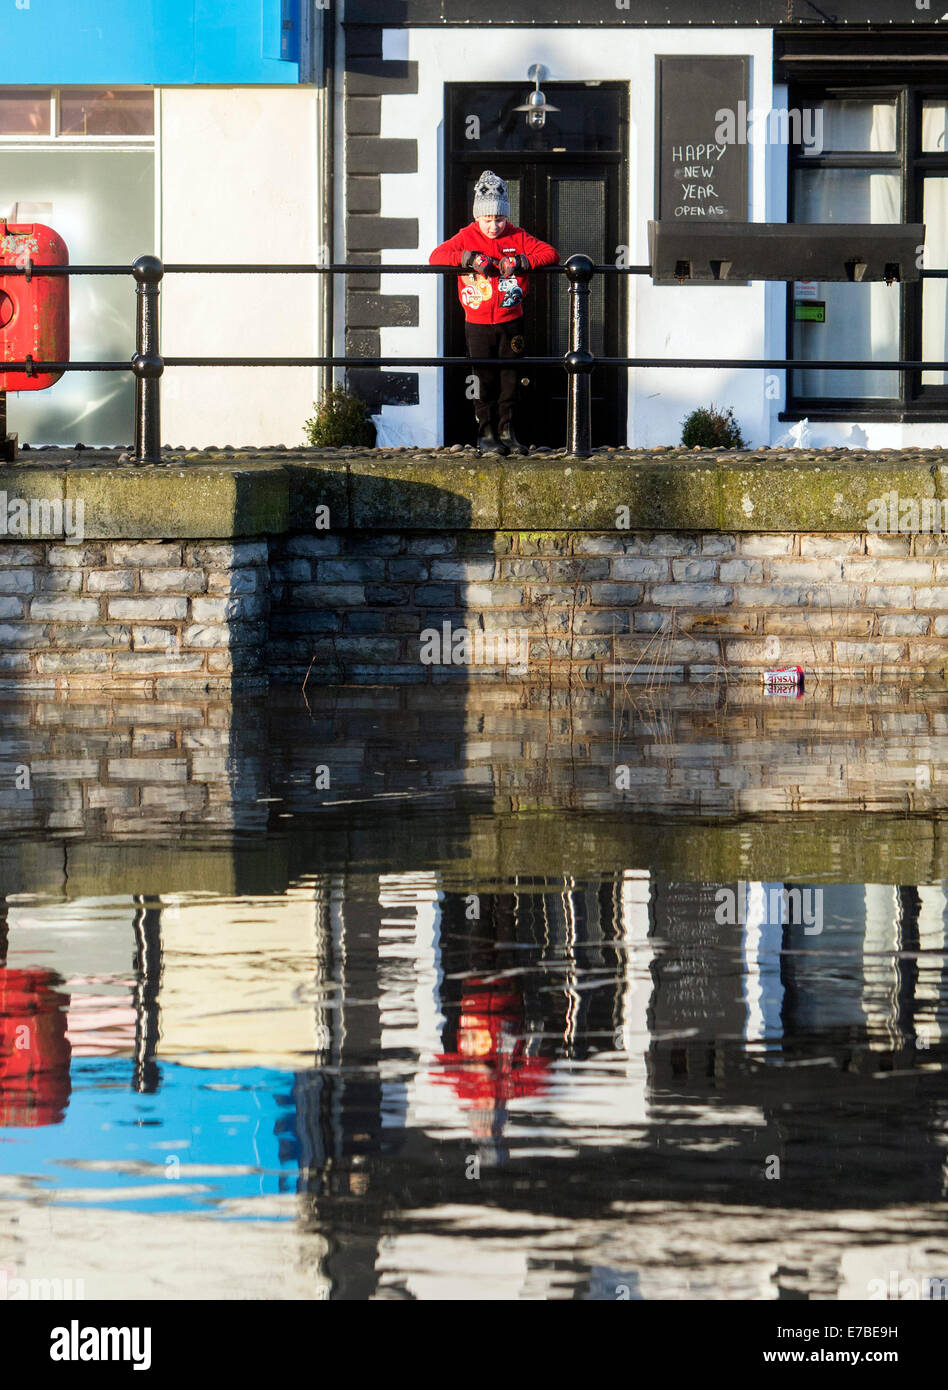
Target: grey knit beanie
[(490, 196)]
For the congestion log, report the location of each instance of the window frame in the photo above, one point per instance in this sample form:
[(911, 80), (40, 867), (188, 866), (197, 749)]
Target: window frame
[(914, 401)]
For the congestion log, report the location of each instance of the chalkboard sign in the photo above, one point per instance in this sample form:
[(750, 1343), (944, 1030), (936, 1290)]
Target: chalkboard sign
[(698, 176)]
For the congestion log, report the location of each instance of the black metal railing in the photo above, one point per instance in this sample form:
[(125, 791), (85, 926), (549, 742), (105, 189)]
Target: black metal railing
[(579, 362)]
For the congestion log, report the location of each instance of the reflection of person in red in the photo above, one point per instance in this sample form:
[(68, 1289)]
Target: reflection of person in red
[(491, 1065), (34, 1049)]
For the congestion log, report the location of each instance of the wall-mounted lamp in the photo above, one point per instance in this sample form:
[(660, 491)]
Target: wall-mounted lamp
[(536, 105)]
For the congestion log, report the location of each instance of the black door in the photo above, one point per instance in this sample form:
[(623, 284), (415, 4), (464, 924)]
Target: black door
[(567, 185)]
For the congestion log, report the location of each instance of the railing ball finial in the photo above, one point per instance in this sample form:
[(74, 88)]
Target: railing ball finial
[(579, 269), (147, 270)]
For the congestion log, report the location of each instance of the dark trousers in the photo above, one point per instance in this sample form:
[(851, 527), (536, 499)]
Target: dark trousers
[(495, 387)]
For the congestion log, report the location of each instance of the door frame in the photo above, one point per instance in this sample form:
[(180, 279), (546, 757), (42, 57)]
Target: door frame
[(612, 381)]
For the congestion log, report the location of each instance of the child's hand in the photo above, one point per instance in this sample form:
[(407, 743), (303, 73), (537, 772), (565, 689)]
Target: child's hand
[(514, 265), (476, 260)]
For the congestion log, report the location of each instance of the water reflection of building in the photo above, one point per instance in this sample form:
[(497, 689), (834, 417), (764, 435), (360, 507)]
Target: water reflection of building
[(350, 1046), (171, 1109), (685, 1057)]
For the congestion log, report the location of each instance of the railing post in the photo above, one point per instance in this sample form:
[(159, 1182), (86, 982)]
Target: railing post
[(147, 364), (579, 361), (8, 442)]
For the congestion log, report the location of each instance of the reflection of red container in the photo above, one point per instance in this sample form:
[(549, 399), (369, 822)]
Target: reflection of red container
[(34, 311), (34, 1049), (788, 680)]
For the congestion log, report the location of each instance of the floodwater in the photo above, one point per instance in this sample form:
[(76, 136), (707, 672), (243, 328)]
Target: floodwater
[(412, 994)]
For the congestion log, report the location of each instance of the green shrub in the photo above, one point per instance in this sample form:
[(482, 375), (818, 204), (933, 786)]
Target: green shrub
[(340, 419), (711, 429)]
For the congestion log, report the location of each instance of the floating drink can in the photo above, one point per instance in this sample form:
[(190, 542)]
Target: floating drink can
[(787, 680)]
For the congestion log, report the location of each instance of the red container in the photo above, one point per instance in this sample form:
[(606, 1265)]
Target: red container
[(788, 680), (34, 311)]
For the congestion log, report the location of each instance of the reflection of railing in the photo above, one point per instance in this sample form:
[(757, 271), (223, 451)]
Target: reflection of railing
[(148, 972), (579, 362)]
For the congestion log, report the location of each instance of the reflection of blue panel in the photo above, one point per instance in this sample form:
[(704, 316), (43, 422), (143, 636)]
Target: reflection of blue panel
[(63, 42), (231, 1118)]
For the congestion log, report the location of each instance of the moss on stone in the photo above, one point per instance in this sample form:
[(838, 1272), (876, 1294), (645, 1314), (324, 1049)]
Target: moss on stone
[(314, 483), (135, 503), (811, 495), (427, 496)]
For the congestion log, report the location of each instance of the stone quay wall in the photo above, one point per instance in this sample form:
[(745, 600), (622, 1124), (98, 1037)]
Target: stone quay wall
[(341, 567), (642, 607), (133, 611)]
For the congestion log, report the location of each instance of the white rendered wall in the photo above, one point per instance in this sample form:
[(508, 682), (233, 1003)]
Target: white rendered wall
[(676, 322), (664, 321), (239, 182)]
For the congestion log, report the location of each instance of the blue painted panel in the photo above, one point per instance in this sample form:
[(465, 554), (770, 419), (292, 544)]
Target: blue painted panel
[(152, 42), (281, 30)]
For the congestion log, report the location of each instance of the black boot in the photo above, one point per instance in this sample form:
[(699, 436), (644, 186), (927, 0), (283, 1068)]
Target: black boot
[(488, 443), (508, 438)]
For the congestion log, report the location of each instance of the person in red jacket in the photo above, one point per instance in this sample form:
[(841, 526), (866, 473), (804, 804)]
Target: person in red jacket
[(492, 1064), (497, 254)]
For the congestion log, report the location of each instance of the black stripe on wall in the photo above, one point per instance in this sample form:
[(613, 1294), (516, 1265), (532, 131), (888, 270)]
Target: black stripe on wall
[(367, 77)]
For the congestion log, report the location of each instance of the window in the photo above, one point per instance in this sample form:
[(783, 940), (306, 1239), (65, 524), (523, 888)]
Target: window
[(48, 113), (25, 111), (882, 158), (93, 111), (82, 160)]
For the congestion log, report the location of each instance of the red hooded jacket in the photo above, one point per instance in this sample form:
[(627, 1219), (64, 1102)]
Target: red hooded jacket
[(492, 298)]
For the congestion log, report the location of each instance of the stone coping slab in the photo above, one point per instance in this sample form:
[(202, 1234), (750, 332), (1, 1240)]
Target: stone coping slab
[(224, 493)]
